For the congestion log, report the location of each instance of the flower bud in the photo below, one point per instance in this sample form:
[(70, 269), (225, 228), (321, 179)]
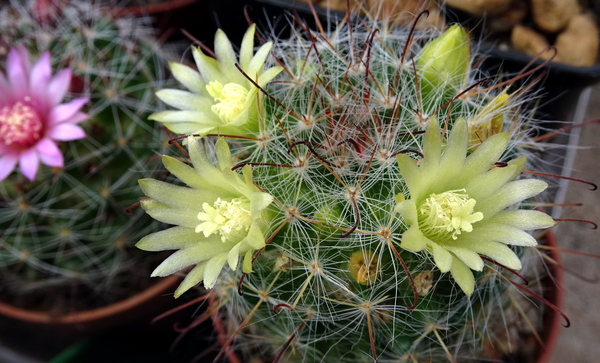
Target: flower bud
[(444, 60)]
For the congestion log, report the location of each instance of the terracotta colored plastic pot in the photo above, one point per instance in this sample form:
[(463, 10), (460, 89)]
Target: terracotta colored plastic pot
[(99, 318)]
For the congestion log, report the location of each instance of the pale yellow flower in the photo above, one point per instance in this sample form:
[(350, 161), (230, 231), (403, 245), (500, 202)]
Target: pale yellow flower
[(220, 99), (460, 206), (220, 216)]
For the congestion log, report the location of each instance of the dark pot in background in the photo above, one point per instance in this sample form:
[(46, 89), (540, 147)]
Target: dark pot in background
[(42, 335)]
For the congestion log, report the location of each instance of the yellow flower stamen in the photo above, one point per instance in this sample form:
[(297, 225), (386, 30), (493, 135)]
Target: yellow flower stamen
[(230, 98), (230, 219), (446, 213)]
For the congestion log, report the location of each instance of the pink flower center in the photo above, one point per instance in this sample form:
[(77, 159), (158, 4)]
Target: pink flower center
[(20, 126)]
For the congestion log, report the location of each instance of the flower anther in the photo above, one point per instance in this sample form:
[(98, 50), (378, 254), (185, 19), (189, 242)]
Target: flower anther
[(230, 219), (231, 100), (446, 213), (20, 126)]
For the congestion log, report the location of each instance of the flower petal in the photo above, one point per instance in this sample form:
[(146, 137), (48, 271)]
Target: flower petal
[(442, 258), (452, 160), (470, 258), (499, 233), (432, 147), (223, 154), (66, 132), (177, 197), (77, 118), (511, 193), (40, 76), (208, 69), (161, 213), (213, 177), (65, 111), (482, 159), (227, 59), (488, 183), (213, 269), (524, 219), (58, 86), (257, 63), (413, 239), (255, 238), (259, 201), (17, 72), (497, 251), (29, 162), (188, 77), (193, 278), (184, 100), (247, 47), (233, 256), (183, 172), (49, 153), (7, 165), (410, 173), (268, 75), (463, 276), (193, 255), (179, 116), (170, 239)]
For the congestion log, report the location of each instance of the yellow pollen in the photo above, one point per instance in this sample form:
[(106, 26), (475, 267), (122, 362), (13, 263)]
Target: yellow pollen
[(447, 213), (230, 219), (20, 126), (230, 99)]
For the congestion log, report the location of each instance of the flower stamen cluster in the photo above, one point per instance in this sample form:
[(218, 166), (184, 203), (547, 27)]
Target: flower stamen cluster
[(20, 125), (448, 212), (230, 99), (230, 219)]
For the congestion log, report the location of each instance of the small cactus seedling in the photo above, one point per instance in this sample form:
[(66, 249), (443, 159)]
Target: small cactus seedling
[(371, 179), (65, 229)]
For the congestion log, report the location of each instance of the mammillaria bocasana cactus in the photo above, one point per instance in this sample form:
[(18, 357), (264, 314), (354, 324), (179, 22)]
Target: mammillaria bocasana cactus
[(379, 210), (65, 230)]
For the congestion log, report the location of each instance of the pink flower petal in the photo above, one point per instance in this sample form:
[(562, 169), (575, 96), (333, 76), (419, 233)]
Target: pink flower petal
[(77, 118), (66, 132), (40, 76), (29, 162), (7, 165), (63, 112), (49, 153), (24, 54), (47, 147), (58, 87), (17, 72)]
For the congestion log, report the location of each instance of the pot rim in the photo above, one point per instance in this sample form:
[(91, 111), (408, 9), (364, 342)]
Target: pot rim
[(87, 316)]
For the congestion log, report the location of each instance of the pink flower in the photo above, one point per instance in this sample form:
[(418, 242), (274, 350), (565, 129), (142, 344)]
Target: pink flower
[(32, 119)]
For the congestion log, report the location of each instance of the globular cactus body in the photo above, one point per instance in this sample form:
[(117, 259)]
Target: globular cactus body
[(393, 199)]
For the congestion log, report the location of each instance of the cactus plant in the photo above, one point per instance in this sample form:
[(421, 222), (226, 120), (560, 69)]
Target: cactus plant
[(381, 209), (66, 240)]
